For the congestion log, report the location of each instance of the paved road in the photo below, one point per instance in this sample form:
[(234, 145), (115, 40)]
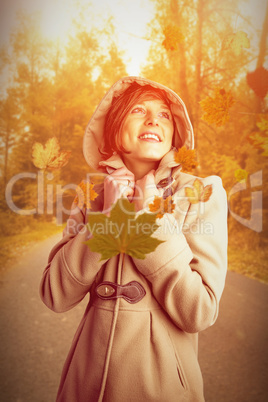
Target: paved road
[(34, 341)]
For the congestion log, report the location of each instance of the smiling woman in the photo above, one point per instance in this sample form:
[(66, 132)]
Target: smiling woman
[(147, 135), (142, 131), (138, 338)]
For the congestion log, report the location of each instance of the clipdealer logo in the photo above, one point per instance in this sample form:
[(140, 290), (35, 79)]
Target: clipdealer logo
[(50, 198), (255, 220)]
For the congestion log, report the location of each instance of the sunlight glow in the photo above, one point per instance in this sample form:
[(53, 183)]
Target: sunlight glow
[(129, 18), (56, 19)]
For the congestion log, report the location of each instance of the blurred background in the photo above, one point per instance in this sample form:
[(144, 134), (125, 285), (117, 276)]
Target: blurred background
[(59, 57)]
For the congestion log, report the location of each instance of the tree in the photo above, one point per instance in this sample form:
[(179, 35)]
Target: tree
[(199, 47), (53, 91), (8, 126)]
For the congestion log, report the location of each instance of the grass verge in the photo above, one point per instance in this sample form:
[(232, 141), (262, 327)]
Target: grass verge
[(13, 246), (249, 262)]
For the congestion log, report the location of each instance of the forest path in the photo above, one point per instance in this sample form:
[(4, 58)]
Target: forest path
[(34, 341)]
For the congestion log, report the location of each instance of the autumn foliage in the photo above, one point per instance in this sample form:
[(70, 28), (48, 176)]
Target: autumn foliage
[(259, 137), (85, 193), (203, 52), (236, 42), (161, 206), (173, 36), (186, 158), (49, 156), (216, 108), (122, 232), (198, 192)]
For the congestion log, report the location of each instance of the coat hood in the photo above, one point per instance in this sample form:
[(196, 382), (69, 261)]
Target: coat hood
[(93, 137)]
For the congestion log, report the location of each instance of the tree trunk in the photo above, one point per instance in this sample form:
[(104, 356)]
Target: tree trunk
[(261, 57)]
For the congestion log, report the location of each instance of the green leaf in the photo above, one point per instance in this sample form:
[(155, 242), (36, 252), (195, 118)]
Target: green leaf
[(122, 232)]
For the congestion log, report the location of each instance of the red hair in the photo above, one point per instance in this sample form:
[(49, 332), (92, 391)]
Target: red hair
[(121, 106)]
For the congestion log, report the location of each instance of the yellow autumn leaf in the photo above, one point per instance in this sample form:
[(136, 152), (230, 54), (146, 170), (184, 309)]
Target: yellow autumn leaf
[(265, 149), (207, 191), (198, 193), (49, 156), (216, 108), (241, 175), (173, 37), (191, 194), (122, 232), (186, 158), (236, 42), (60, 161), (263, 123), (162, 206), (259, 139), (43, 155), (85, 193)]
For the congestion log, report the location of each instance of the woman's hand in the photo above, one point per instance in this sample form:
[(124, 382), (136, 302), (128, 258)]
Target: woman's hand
[(145, 191), (120, 183)]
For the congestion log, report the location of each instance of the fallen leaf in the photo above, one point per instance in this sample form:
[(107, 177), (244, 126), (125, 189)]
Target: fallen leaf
[(259, 139), (241, 175), (48, 156), (236, 42), (173, 36), (122, 232), (162, 206), (263, 123), (198, 193), (186, 158), (85, 194), (216, 109)]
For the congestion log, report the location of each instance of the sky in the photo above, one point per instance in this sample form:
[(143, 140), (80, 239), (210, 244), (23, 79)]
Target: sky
[(130, 20)]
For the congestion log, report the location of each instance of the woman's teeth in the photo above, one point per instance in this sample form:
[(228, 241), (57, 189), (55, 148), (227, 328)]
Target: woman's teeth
[(152, 136)]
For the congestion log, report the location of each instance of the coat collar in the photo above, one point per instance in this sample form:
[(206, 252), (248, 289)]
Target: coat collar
[(163, 171)]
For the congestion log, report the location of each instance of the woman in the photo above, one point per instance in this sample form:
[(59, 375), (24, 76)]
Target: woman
[(140, 346)]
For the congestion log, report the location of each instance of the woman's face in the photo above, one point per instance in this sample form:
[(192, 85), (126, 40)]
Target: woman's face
[(147, 131)]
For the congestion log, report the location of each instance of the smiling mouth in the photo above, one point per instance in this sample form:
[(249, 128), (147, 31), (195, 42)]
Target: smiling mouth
[(150, 137)]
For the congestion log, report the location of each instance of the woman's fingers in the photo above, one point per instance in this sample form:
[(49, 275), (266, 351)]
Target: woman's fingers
[(120, 183), (126, 180), (123, 171), (145, 191), (122, 176)]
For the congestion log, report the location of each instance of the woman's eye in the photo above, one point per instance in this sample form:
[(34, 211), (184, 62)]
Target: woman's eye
[(138, 110), (165, 115)]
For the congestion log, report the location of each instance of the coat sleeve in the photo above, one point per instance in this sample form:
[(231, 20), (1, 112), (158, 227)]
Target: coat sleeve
[(187, 272), (71, 268)]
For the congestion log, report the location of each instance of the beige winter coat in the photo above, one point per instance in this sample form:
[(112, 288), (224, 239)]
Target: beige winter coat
[(144, 350)]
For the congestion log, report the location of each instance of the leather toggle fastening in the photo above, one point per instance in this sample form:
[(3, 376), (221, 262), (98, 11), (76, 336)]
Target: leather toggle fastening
[(132, 292), (166, 183)]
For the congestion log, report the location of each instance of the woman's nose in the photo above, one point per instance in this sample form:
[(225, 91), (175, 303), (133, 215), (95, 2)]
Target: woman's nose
[(151, 120)]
